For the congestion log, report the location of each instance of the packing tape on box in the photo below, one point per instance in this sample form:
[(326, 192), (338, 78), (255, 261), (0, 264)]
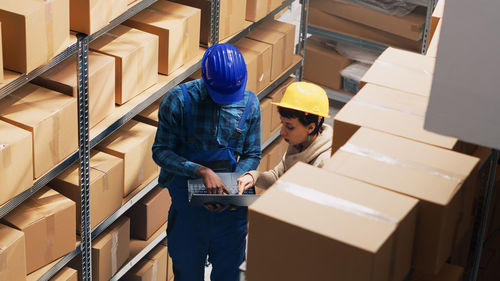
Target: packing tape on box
[(403, 68), (105, 179), (50, 220), (260, 72), (5, 155), (49, 21), (358, 100), (328, 200), (3, 258), (380, 157), (114, 252)]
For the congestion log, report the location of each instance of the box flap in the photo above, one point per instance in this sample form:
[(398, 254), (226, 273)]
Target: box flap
[(8, 236), (252, 45), (103, 162), (415, 169), (121, 41), (128, 136), (104, 238), (266, 35), (22, 7), (320, 201), (159, 18), (175, 8), (10, 134)]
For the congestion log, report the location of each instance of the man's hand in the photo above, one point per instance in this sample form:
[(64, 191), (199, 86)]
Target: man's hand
[(244, 183), (212, 181)]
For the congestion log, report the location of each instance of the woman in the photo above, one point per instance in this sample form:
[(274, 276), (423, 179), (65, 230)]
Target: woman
[(302, 110)]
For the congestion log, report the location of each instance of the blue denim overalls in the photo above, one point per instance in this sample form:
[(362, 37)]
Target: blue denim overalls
[(194, 232)]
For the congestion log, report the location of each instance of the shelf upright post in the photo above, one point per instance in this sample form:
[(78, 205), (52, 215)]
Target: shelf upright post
[(84, 155), (301, 47), (214, 22)]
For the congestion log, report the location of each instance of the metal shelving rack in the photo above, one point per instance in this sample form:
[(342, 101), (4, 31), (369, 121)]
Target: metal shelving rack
[(86, 142)]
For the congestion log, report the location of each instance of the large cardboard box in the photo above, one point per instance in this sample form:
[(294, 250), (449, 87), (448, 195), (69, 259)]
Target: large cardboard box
[(393, 112), (178, 27), (89, 16), (289, 31), (111, 249), (231, 17), (410, 26), (149, 214), (153, 267), (132, 142), (431, 174), (277, 41), (257, 9), (13, 254), (33, 32), (276, 96), (63, 78), (118, 7), (16, 161), (150, 114), (106, 186), (1, 55), (323, 64), (402, 70), (47, 219), (52, 119), (136, 60), (265, 119), (322, 19), (257, 56), (343, 229), (449, 272)]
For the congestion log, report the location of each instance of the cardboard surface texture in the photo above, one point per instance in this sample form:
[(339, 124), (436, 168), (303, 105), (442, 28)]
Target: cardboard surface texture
[(89, 16), (33, 32), (289, 31), (48, 221), (265, 119), (50, 116), (13, 254), (467, 108), (392, 112), (320, 18), (402, 70), (149, 214), (106, 187), (295, 210), (111, 249), (323, 64), (410, 26), (277, 41), (178, 28), (430, 174), (16, 161), (258, 57), (101, 85), (136, 60), (153, 267), (1, 56), (132, 142)]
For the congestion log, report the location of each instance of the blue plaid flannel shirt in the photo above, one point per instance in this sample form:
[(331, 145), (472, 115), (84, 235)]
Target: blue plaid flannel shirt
[(213, 126)]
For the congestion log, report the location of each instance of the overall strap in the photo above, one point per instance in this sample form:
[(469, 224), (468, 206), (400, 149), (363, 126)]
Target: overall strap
[(187, 110), (241, 123)]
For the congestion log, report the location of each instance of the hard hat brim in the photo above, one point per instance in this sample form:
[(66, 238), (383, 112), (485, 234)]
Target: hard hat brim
[(299, 109), (219, 98)]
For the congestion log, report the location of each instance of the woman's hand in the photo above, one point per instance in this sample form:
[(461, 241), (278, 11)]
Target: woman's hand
[(245, 182)]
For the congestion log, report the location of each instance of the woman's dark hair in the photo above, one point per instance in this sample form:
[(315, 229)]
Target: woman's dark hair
[(304, 118)]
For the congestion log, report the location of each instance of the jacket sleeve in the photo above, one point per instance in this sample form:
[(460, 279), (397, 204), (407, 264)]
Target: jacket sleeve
[(268, 178)]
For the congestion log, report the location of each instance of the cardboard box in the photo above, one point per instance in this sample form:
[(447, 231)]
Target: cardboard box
[(106, 186), (66, 274), (410, 26), (257, 56), (13, 254), (389, 111), (434, 41), (402, 70), (339, 249), (276, 152), (323, 64), (276, 40), (63, 78), (449, 272), (289, 31), (89, 16), (111, 249), (118, 7), (153, 267), (257, 9), (322, 19), (231, 19), (178, 28), (136, 60), (437, 15), (264, 162), (132, 142), (16, 161), (52, 119), (149, 214), (265, 119), (431, 174), (47, 219), (1, 57), (150, 114), (33, 32), (276, 96)]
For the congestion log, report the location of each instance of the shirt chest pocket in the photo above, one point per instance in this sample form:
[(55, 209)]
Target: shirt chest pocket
[(228, 121)]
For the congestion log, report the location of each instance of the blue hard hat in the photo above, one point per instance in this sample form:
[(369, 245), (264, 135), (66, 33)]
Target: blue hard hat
[(224, 73)]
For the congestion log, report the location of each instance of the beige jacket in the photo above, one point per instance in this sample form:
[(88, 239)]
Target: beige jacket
[(315, 154)]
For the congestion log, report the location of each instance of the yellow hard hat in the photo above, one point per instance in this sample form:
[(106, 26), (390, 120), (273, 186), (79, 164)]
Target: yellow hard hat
[(306, 97)]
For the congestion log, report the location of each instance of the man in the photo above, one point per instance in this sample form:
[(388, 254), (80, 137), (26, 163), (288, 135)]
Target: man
[(206, 124)]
